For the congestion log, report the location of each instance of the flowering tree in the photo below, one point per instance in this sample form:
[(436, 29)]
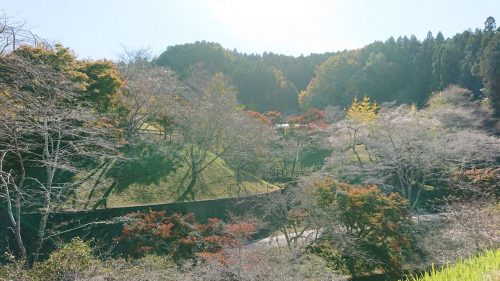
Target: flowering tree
[(299, 134), (213, 126), (149, 92), (248, 138), (411, 151)]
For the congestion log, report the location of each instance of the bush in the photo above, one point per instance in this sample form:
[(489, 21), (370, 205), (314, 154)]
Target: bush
[(180, 236), (333, 258), (14, 270), (75, 262), (67, 262)]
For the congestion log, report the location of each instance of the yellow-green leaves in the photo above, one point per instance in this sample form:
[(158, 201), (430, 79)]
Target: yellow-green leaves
[(362, 111), (484, 267)]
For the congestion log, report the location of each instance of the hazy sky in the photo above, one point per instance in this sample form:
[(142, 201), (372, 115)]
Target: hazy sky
[(99, 28)]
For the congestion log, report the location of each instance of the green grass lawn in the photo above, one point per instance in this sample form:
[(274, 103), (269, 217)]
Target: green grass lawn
[(217, 181), (485, 267)]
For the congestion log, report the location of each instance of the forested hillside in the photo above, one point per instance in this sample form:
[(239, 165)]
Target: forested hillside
[(403, 69), (264, 82), (407, 70)]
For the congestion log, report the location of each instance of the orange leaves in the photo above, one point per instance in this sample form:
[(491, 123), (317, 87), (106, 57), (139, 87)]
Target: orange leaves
[(126, 231), (241, 230), (262, 118), (312, 118), (274, 116), (313, 115), (219, 256), (379, 222), (213, 221), (304, 96), (152, 217), (181, 236), (164, 230), (155, 232), (219, 241), (214, 239), (296, 119), (188, 241)]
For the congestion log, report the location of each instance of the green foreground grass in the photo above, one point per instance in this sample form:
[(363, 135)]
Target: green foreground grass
[(485, 267)]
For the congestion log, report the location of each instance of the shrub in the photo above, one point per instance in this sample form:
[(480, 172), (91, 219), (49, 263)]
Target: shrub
[(14, 270), (67, 262), (333, 258), (180, 236)]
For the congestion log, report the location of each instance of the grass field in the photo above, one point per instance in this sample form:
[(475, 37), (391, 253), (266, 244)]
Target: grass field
[(485, 267), (217, 181)]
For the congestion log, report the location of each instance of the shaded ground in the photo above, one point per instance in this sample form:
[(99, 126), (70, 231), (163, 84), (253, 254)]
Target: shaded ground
[(217, 181)]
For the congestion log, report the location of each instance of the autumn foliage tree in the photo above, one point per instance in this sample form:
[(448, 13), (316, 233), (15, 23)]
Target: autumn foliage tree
[(370, 229), (274, 116), (181, 236), (349, 135), (49, 132), (97, 82), (362, 111), (379, 222), (353, 228)]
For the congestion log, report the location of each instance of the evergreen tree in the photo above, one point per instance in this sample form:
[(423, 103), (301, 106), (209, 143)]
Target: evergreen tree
[(490, 72)]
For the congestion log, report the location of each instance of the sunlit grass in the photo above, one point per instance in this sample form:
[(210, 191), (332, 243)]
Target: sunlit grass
[(217, 181), (485, 267)]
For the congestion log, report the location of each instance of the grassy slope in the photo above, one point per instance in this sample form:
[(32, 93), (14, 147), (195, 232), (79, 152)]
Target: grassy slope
[(217, 181), (484, 267)]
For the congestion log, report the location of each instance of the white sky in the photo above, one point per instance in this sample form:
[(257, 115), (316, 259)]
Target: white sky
[(99, 28)]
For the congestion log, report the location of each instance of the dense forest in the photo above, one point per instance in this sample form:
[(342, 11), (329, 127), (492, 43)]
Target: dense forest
[(380, 162), (405, 70)]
